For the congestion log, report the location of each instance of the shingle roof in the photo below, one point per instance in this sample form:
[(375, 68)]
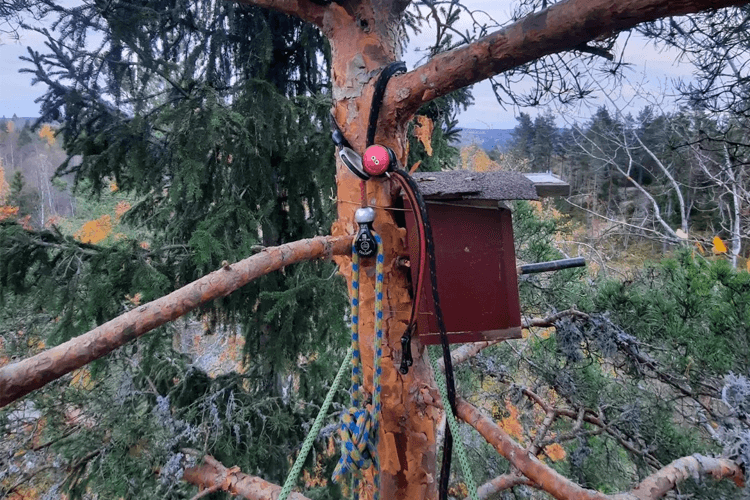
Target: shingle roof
[(468, 185)]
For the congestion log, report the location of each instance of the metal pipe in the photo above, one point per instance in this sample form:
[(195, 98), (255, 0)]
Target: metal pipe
[(553, 265)]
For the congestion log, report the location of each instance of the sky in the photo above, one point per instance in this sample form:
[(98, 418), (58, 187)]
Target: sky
[(651, 70)]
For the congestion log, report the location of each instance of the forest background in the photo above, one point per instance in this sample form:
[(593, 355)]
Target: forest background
[(158, 173)]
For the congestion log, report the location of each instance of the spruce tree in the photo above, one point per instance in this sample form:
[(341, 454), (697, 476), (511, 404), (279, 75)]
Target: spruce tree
[(215, 117)]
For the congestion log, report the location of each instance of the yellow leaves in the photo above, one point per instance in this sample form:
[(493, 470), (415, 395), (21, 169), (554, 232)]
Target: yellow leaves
[(4, 187), (82, 379), (555, 452), (113, 188), (459, 490), (423, 132), (7, 212), (95, 231), (135, 299), (10, 127), (546, 332), (474, 158), (719, 246), (511, 424), (48, 134), (25, 493), (26, 222), (747, 265)]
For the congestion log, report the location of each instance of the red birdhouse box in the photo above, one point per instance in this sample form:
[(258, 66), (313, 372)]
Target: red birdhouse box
[(474, 254)]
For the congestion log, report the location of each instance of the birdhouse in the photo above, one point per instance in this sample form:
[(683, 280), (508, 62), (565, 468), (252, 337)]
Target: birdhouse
[(474, 251)]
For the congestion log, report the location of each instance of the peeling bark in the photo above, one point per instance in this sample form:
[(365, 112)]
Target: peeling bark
[(18, 379), (214, 476)]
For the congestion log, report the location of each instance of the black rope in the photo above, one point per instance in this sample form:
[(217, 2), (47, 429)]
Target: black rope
[(445, 467), (377, 97)]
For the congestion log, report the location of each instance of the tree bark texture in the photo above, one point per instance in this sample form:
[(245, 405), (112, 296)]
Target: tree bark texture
[(18, 379), (213, 475)]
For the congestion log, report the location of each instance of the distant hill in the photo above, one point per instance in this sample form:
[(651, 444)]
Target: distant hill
[(487, 139)]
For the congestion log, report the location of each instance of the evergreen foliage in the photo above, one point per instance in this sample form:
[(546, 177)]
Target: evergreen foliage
[(660, 358), (218, 127)]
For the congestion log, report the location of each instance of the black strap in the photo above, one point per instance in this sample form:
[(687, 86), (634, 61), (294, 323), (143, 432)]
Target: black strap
[(377, 97), (337, 136)]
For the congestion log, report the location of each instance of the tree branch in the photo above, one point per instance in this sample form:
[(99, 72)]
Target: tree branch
[(501, 483), (304, 9), (563, 26), (661, 482), (18, 379), (214, 476), (467, 351), (546, 478)]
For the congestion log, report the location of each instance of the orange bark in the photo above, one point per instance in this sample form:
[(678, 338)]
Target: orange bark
[(18, 379), (213, 475), (363, 41)]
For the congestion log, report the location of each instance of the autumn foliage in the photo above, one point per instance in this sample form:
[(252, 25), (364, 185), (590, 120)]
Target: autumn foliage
[(95, 231), (48, 134)]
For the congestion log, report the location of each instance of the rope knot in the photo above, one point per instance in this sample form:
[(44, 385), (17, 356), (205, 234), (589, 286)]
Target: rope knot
[(358, 433)]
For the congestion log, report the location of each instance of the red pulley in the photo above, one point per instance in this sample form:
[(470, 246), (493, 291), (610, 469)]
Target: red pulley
[(378, 159)]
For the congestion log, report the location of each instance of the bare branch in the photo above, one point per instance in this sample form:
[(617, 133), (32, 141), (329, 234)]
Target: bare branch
[(18, 379), (213, 476), (468, 351)]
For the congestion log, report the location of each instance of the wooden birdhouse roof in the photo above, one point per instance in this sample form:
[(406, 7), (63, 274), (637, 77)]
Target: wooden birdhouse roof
[(465, 185)]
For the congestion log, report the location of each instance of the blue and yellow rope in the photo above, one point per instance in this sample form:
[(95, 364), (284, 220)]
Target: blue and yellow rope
[(359, 427)]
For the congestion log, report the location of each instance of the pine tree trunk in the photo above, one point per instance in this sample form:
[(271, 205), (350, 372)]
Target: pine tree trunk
[(406, 450)]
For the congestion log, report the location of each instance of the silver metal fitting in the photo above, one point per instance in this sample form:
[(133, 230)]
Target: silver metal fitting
[(364, 215)]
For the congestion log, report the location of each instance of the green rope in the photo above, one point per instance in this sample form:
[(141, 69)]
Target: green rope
[(463, 459), (317, 425)]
